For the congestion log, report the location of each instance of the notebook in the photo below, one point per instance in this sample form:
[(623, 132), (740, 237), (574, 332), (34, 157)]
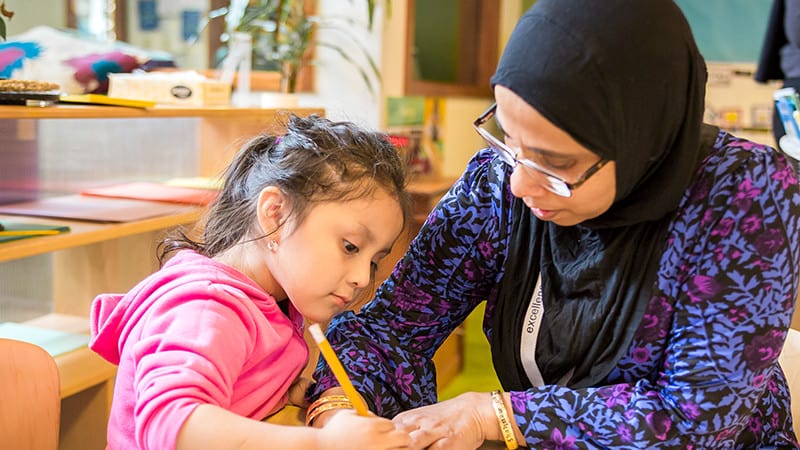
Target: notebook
[(54, 341), (156, 192), (97, 209)]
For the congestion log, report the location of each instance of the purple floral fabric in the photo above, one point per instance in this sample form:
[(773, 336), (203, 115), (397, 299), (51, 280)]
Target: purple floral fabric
[(701, 371)]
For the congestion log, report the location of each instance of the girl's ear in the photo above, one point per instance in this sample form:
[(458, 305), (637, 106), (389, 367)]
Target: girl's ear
[(272, 206)]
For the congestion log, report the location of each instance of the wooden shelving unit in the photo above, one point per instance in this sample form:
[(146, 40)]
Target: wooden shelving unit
[(84, 233), (71, 111), (110, 257)]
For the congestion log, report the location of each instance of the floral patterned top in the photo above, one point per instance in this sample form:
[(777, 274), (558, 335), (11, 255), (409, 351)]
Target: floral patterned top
[(702, 370)]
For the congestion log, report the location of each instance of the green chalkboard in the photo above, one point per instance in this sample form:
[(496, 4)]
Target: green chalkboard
[(727, 30)]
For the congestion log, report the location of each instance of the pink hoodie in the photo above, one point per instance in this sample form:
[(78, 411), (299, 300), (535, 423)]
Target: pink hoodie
[(194, 332)]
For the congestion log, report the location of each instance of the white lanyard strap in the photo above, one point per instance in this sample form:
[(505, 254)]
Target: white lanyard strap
[(530, 332)]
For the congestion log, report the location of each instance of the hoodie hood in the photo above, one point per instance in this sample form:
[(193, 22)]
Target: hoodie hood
[(184, 277)]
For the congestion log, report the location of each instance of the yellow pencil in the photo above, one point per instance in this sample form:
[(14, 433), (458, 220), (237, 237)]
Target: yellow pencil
[(29, 232), (338, 369)]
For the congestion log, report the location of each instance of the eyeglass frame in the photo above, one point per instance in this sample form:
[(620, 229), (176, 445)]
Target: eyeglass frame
[(554, 184)]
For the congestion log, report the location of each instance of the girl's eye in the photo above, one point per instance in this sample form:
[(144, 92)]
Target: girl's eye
[(350, 248)]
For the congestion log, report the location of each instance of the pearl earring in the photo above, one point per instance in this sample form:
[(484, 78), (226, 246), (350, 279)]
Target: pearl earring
[(272, 245)]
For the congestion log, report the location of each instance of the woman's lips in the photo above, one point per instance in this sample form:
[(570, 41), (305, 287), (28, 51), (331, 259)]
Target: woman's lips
[(541, 213), (544, 214)]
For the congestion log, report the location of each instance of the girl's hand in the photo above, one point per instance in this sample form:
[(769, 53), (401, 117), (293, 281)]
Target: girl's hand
[(346, 430), (463, 422)]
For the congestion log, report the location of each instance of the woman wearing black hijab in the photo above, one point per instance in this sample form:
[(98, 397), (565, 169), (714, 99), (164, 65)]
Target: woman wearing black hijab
[(639, 267)]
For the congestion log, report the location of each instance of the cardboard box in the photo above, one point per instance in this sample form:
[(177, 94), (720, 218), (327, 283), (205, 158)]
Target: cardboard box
[(171, 88)]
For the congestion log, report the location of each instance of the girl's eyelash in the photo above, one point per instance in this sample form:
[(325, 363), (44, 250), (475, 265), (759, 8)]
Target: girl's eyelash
[(350, 248)]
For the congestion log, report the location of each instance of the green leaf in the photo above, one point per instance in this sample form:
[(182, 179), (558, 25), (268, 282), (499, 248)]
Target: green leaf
[(2, 29)]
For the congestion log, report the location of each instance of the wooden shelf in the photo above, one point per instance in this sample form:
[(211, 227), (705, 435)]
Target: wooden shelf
[(78, 369), (87, 386), (82, 233), (98, 257), (62, 111)]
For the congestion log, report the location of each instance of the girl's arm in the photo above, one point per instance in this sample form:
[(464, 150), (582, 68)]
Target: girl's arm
[(210, 426)]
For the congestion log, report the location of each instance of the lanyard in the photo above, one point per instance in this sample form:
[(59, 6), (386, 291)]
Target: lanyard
[(530, 332)]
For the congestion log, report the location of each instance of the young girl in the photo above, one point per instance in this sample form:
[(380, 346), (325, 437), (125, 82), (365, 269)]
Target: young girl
[(213, 342)]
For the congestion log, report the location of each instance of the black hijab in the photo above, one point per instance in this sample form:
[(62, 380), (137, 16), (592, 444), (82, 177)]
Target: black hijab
[(625, 79)]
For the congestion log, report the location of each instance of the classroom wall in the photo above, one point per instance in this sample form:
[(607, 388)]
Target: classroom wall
[(29, 13)]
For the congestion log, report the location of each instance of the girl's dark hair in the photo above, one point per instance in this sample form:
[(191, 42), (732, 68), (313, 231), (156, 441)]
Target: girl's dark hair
[(317, 160)]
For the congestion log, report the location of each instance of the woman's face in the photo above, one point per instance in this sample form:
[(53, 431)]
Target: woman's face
[(535, 138)]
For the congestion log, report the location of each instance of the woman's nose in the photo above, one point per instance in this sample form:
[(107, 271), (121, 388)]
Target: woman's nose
[(527, 184)]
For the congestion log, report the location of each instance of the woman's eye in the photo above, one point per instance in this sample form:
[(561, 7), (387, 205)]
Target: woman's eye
[(558, 165), (350, 248)]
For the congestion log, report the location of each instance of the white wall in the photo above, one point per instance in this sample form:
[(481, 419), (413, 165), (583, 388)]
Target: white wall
[(29, 13), (339, 87)]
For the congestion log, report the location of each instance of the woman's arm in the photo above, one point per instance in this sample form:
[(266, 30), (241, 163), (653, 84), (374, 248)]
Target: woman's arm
[(727, 284), (449, 268), (726, 289), (791, 22)]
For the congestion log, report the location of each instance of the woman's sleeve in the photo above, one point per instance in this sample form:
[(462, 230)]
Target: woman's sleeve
[(791, 22), (727, 283), (449, 268)]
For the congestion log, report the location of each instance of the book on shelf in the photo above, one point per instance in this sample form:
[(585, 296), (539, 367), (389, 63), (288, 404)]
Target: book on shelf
[(96, 209), (161, 192), (101, 99), (13, 231), (54, 341)]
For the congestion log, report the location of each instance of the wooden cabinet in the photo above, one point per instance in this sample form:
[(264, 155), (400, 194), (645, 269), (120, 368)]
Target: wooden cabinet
[(441, 48), (54, 150)]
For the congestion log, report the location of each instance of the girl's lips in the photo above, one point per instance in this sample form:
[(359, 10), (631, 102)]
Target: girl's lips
[(342, 301)]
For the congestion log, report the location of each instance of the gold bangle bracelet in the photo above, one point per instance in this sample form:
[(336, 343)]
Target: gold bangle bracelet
[(505, 423), (328, 399), (313, 413)]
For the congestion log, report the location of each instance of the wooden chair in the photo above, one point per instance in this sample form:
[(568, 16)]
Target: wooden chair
[(30, 400)]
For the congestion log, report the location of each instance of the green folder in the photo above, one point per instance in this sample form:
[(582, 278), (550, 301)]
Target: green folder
[(33, 227)]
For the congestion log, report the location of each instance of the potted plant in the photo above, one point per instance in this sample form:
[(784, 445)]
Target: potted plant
[(283, 33)]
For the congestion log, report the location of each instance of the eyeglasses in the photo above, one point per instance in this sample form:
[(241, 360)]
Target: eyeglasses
[(552, 183)]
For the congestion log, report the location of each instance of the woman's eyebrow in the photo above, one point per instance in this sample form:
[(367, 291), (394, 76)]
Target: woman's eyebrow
[(536, 150), (546, 153)]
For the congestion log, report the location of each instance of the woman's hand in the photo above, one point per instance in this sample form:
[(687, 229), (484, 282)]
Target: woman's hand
[(346, 430), (463, 422), (297, 392)]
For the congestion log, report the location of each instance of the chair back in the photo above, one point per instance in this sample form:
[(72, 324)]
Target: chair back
[(30, 397)]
